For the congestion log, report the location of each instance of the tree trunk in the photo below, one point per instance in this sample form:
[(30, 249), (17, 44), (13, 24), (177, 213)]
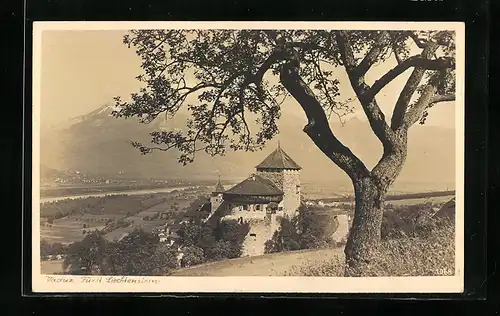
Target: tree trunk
[(364, 235)]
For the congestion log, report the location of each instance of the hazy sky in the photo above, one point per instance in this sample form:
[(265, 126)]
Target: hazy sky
[(83, 70)]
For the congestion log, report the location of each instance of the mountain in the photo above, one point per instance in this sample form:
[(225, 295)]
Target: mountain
[(99, 143)]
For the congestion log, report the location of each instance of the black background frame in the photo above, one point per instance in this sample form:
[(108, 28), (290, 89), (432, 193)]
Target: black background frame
[(478, 276)]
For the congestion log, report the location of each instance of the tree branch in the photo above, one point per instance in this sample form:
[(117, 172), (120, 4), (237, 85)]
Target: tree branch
[(346, 53), (373, 53), (410, 87), (318, 128), (414, 61), (266, 65), (416, 110), (414, 37), (436, 38), (372, 111), (443, 98)]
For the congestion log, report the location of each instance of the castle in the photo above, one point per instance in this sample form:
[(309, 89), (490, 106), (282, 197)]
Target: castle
[(273, 191)]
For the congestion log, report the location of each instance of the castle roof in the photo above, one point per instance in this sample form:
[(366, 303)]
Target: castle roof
[(447, 210), (199, 207), (278, 159), (255, 185)]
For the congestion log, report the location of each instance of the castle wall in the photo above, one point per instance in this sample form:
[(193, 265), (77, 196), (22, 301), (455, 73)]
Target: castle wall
[(215, 202), (291, 188), (289, 182), (260, 232), (237, 212), (262, 228), (342, 231)]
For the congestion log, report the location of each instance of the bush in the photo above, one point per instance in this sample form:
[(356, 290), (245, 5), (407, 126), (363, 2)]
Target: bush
[(47, 249), (429, 254), (407, 220), (140, 253), (222, 250), (232, 231), (309, 230), (86, 256), (193, 255)]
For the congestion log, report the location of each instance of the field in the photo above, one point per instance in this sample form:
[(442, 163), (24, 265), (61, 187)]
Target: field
[(77, 216), (68, 229), (52, 267), (66, 220), (138, 220)]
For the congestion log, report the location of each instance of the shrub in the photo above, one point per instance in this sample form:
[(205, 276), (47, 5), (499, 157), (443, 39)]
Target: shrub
[(222, 250), (429, 254), (140, 253), (432, 253), (311, 229), (86, 256), (233, 231), (406, 220), (193, 255)]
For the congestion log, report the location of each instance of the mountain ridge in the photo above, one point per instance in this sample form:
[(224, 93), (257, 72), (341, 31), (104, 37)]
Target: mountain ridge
[(99, 143)]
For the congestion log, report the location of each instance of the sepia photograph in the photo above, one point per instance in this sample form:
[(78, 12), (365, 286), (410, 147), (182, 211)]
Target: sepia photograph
[(248, 157)]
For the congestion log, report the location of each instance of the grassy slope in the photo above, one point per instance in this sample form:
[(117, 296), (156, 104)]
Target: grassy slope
[(266, 265), (276, 264)]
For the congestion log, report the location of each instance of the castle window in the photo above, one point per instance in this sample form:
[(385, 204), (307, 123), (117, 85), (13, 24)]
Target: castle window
[(253, 235), (298, 189), (257, 207), (245, 207)]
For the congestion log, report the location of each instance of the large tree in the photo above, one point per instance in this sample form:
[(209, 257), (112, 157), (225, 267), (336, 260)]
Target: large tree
[(225, 78)]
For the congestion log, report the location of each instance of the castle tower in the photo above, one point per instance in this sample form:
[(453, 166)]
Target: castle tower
[(216, 198), (285, 173)]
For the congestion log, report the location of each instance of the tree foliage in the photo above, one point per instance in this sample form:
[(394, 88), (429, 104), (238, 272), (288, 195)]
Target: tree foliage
[(140, 253), (223, 242), (310, 229), (51, 249), (222, 76), (87, 256)]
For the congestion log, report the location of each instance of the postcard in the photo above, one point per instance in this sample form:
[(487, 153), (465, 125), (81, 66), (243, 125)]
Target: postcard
[(259, 157)]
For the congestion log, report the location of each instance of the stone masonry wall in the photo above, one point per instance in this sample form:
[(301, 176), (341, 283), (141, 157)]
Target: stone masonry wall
[(287, 181), (261, 230), (291, 188), (215, 202)]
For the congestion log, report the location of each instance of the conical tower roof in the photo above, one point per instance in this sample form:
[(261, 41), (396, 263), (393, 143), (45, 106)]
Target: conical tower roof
[(219, 188), (278, 159)]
